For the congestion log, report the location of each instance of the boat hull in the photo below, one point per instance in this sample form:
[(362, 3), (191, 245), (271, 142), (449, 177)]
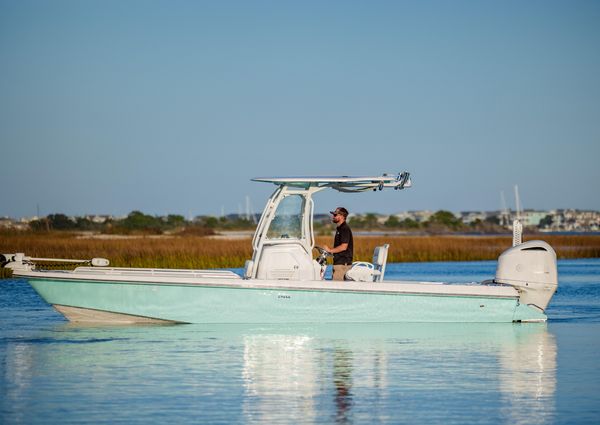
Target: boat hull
[(132, 302)]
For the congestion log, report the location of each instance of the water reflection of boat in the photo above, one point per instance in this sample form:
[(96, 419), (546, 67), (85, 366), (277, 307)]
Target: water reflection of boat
[(528, 382), (378, 363), (310, 372)]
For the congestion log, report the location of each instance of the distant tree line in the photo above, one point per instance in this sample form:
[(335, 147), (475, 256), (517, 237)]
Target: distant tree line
[(137, 222), (62, 222), (441, 221)]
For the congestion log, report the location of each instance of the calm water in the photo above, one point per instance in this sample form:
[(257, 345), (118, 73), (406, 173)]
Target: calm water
[(53, 372)]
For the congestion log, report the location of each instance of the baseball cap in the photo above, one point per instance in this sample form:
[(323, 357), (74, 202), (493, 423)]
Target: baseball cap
[(340, 210)]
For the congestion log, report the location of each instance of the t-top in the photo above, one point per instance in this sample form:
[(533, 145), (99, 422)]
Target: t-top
[(343, 234)]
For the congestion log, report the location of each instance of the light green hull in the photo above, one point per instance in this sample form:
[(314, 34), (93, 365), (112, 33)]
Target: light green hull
[(219, 304)]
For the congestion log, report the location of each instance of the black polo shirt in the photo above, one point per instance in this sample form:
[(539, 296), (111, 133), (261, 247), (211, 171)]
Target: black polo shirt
[(343, 234)]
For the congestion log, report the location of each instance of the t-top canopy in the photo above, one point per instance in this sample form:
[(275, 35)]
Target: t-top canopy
[(344, 183)]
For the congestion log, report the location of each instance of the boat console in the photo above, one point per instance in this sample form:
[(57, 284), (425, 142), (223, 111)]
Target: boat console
[(284, 238)]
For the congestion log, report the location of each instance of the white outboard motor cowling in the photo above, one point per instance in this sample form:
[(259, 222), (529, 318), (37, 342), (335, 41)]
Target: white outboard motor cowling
[(531, 268)]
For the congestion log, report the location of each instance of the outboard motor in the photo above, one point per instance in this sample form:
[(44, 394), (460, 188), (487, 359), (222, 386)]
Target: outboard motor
[(531, 268)]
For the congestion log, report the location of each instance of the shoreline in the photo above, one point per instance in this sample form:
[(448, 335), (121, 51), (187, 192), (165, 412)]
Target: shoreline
[(248, 234)]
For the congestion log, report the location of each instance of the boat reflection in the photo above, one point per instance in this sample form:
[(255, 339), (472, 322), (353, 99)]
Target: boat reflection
[(320, 373), (351, 364), (528, 378), (342, 380)]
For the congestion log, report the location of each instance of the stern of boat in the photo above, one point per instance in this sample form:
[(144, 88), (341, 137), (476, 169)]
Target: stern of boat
[(531, 268)]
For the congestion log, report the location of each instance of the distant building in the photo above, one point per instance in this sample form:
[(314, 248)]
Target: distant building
[(28, 220), (9, 223), (418, 216), (98, 219), (533, 218), (469, 217), (568, 220), (6, 222)]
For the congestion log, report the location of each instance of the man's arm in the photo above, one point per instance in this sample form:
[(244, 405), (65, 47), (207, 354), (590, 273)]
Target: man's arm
[(337, 249)]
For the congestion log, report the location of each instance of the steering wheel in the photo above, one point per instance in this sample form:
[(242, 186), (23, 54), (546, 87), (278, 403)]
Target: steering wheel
[(322, 251), (322, 259)]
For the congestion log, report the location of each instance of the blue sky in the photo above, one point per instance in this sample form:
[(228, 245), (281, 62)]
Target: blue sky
[(172, 106)]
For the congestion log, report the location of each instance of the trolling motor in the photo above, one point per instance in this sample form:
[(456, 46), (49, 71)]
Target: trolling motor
[(16, 262), (20, 262), (4, 259)]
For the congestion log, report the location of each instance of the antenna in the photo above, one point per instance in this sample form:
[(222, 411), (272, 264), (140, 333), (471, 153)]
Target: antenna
[(518, 202), (517, 233), (517, 226)]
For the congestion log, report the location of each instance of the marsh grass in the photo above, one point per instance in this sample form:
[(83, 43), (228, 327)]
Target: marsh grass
[(468, 248), (196, 252)]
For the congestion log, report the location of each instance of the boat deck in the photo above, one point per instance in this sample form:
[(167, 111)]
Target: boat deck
[(229, 279)]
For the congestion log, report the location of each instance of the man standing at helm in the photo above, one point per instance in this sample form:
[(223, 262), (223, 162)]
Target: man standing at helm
[(343, 246)]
